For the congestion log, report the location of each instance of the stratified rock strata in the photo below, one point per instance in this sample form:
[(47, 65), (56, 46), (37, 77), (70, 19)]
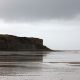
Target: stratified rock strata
[(15, 43)]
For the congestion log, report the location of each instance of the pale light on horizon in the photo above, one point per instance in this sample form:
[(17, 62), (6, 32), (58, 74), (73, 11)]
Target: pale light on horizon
[(56, 34)]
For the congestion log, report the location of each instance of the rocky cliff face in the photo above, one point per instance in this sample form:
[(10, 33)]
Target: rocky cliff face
[(10, 42)]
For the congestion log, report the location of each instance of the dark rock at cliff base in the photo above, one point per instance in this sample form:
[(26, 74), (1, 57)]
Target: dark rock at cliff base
[(15, 43)]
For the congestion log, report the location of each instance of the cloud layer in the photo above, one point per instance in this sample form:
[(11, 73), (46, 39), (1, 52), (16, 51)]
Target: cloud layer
[(39, 9)]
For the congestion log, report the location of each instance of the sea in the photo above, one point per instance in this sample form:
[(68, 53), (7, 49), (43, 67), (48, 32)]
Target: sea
[(40, 65)]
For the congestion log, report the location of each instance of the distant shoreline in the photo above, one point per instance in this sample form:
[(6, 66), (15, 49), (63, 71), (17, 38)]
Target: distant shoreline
[(65, 62)]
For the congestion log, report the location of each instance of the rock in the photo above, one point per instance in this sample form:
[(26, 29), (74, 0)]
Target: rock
[(15, 43)]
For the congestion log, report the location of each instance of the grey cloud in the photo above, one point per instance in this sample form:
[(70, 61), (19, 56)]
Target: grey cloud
[(39, 9)]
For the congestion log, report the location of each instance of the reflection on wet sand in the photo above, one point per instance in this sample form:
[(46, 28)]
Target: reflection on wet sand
[(31, 66), (22, 56)]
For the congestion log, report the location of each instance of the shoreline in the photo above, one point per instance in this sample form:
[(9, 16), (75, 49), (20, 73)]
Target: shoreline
[(64, 62)]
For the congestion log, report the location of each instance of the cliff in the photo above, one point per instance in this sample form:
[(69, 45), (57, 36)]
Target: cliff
[(15, 43)]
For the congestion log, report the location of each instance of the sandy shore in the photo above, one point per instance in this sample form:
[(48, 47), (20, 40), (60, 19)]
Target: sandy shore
[(38, 71)]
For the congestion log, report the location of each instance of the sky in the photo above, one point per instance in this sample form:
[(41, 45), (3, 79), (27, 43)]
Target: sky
[(57, 22)]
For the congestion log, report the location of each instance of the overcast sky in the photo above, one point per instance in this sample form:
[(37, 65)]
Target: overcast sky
[(55, 21)]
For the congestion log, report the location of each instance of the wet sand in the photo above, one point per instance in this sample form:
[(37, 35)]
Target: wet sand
[(38, 71), (48, 66)]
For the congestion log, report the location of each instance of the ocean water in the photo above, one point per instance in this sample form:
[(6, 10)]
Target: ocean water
[(23, 65)]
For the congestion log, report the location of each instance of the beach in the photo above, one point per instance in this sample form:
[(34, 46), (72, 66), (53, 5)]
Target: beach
[(39, 71), (42, 70)]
